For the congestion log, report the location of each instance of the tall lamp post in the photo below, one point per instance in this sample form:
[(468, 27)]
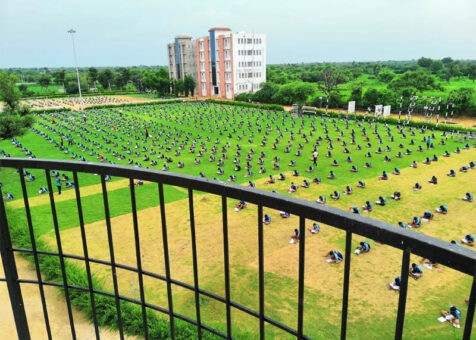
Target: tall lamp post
[(72, 31)]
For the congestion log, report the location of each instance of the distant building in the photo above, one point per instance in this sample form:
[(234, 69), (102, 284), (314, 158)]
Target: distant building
[(226, 63), (182, 58)]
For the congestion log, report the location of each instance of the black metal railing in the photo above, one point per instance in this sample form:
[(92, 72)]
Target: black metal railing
[(458, 258)]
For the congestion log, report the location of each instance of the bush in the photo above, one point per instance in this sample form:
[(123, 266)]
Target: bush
[(253, 105)]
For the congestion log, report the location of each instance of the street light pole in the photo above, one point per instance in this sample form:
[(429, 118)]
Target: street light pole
[(72, 31)]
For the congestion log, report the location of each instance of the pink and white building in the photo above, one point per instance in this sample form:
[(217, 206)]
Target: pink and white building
[(230, 63)]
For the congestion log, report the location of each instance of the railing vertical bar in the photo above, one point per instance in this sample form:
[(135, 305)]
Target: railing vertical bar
[(345, 295), (302, 255), (138, 255), (11, 275), (468, 326), (166, 260), (226, 265), (112, 256), (261, 272), (60, 252), (402, 300), (35, 254), (86, 253), (195, 265)]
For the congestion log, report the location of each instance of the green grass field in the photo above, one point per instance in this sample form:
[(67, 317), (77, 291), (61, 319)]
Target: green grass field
[(372, 306)]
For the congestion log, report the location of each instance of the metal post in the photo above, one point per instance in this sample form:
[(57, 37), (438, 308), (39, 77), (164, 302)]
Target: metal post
[(11, 276), (72, 31)]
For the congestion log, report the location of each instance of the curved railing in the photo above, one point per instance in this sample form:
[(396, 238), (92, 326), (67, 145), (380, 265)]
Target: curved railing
[(458, 258)]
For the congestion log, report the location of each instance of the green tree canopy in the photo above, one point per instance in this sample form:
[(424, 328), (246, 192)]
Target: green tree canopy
[(424, 62)]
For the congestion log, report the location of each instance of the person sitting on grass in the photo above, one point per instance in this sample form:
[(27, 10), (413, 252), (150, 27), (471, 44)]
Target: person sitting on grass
[(8, 196), (276, 166), (395, 284), (472, 165), (396, 171), (468, 197), (452, 173), (284, 214), (292, 163), (363, 248), (430, 264), (251, 184), (334, 256), (294, 237), (402, 225), (321, 200), (240, 206), (232, 178), (281, 177), (417, 187), (458, 150), (315, 228), (30, 178), (332, 175), (180, 165), (165, 167), (414, 165), (464, 169), (368, 207), (381, 201), (468, 239), (354, 168), (355, 210), (271, 180), (266, 219), (361, 185), (453, 316), (387, 159), (249, 173), (42, 191), (220, 171), (397, 196), (442, 209), (335, 195), (435, 158), (415, 271), (292, 188), (237, 167), (415, 223), (335, 163), (447, 154), (316, 180), (399, 155), (433, 180), (348, 190), (427, 216), (295, 173), (427, 161), (306, 184), (368, 165), (384, 176)]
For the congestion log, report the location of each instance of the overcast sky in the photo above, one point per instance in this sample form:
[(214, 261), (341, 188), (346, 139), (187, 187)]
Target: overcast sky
[(135, 32)]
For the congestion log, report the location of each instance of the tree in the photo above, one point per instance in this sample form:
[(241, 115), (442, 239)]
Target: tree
[(93, 75), (154, 81), (179, 87), (386, 76), (461, 98), (23, 89), (424, 62), (266, 92), (422, 80), (189, 83), (71, 84), (447, 60), (472, 72), (14, 119), (105, 78), (331, 77), (44, 81), (293, 93), (59, 76), (436, 66)]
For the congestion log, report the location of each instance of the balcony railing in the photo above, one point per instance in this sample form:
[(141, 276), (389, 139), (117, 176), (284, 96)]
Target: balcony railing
[(458, 258)]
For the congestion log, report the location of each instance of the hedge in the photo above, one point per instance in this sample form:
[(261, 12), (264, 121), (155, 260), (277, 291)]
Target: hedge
[(88, 94), (394, 121), (106, 314), (160, 102), (245, 104), (50, 110)]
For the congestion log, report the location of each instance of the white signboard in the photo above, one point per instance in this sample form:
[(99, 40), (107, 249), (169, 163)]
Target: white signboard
[(386, 110), (351, 107), (378, 110)]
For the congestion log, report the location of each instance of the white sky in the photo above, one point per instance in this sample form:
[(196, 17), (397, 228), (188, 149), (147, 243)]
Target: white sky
[(135, 32)]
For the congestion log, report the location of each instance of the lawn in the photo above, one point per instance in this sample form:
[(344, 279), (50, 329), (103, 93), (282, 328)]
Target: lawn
[(196, 126)]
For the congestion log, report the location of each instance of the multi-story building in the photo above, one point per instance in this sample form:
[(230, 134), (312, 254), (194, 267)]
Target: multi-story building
[(182, 58), (230, 63), (223, 63)]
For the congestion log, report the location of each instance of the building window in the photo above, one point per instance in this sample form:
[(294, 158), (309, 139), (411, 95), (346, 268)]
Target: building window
[(250, 41)]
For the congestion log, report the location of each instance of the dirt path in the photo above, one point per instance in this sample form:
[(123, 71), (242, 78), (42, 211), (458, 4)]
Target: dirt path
[(57, 312)]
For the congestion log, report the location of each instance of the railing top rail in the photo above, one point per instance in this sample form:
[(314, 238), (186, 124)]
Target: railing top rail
[(445, 253)]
